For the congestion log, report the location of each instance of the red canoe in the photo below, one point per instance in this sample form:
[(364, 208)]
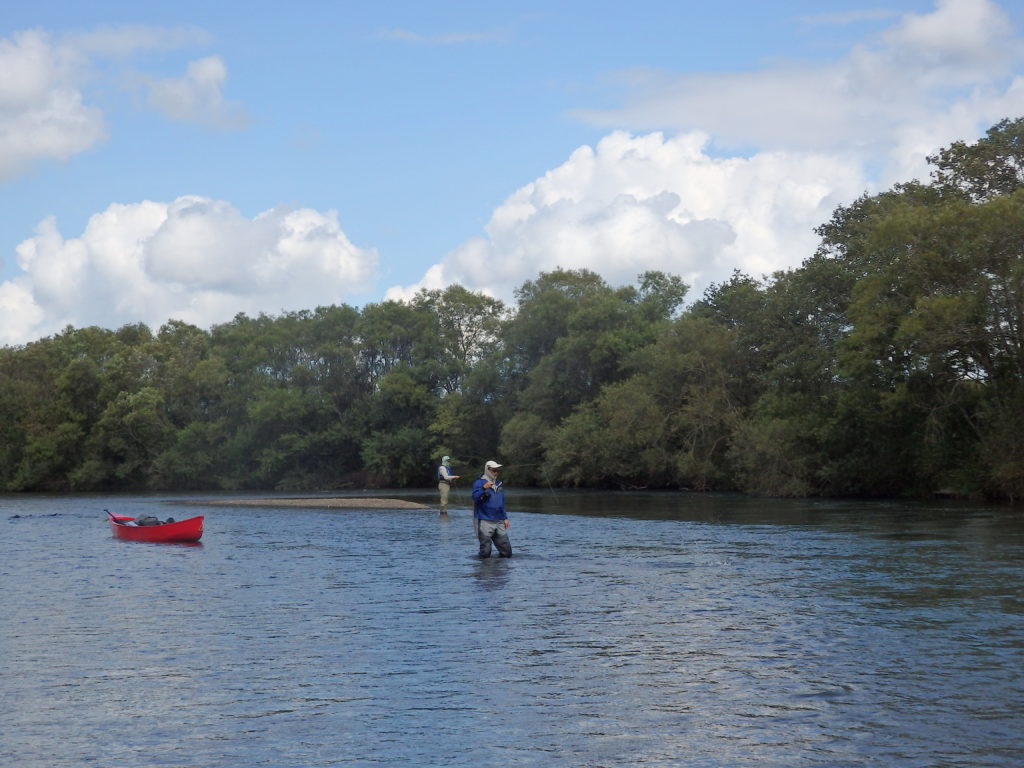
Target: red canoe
[(181, 530)]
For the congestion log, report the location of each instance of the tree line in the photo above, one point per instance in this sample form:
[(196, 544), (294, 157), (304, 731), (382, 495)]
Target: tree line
[(891, 362)]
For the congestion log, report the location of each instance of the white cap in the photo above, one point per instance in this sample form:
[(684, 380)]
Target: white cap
[(492, 464)]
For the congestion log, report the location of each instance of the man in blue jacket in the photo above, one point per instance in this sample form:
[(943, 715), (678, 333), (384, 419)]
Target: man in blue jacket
[(489, 516)]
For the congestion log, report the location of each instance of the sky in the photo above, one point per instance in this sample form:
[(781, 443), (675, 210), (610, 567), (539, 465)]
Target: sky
[(197, 160)]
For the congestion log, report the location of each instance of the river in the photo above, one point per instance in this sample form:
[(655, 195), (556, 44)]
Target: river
[(638, 629)]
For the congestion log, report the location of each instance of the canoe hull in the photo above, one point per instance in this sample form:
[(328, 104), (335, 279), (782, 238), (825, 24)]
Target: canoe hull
[(178, 531)]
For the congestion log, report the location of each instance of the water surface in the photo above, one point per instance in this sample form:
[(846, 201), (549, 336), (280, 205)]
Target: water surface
[(628, 630)]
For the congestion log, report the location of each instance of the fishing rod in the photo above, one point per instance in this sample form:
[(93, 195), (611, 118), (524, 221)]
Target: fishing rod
[(543, 468), (547, 478)]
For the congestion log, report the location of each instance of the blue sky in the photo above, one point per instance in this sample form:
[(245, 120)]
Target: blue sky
[(193, 160)]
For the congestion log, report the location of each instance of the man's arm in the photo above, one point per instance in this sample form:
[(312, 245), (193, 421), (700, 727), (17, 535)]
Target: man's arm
[(480, 491)]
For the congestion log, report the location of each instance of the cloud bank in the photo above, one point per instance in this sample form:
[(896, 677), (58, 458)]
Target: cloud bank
[(891, 100), (817, 135), (635, 203), (196, 260)]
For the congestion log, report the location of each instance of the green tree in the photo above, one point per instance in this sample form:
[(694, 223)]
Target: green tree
[(570, 337), (465, 327), (669, 424), (131, 433), (396, 458), (392, 334), (989, 168)]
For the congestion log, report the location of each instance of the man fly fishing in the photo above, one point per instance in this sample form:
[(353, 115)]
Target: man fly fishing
[(489, 517), (445, 478)]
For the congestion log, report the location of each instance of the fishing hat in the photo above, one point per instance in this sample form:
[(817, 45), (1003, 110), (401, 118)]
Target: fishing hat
[(492, 464)]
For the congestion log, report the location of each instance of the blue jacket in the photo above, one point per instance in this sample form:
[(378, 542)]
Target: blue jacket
[(489, 503)]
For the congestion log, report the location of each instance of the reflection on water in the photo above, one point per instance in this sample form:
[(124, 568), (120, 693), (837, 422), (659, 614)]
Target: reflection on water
[(630, 629)]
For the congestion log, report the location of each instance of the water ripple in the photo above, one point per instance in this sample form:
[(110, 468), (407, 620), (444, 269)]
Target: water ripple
[(374, 638)]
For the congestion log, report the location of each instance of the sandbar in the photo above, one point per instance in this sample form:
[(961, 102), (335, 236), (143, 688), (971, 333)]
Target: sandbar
[(348, 502)]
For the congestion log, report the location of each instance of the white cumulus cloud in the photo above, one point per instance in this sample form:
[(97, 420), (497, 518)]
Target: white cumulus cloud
[(42, 114), (635, 203), (197, 260), (815, 135)]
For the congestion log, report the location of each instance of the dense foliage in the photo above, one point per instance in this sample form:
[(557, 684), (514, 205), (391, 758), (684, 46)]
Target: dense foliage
[(890, 362)]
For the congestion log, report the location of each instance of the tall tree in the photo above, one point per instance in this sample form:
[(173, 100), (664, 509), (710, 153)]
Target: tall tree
[(466, 326), (992, 166)]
